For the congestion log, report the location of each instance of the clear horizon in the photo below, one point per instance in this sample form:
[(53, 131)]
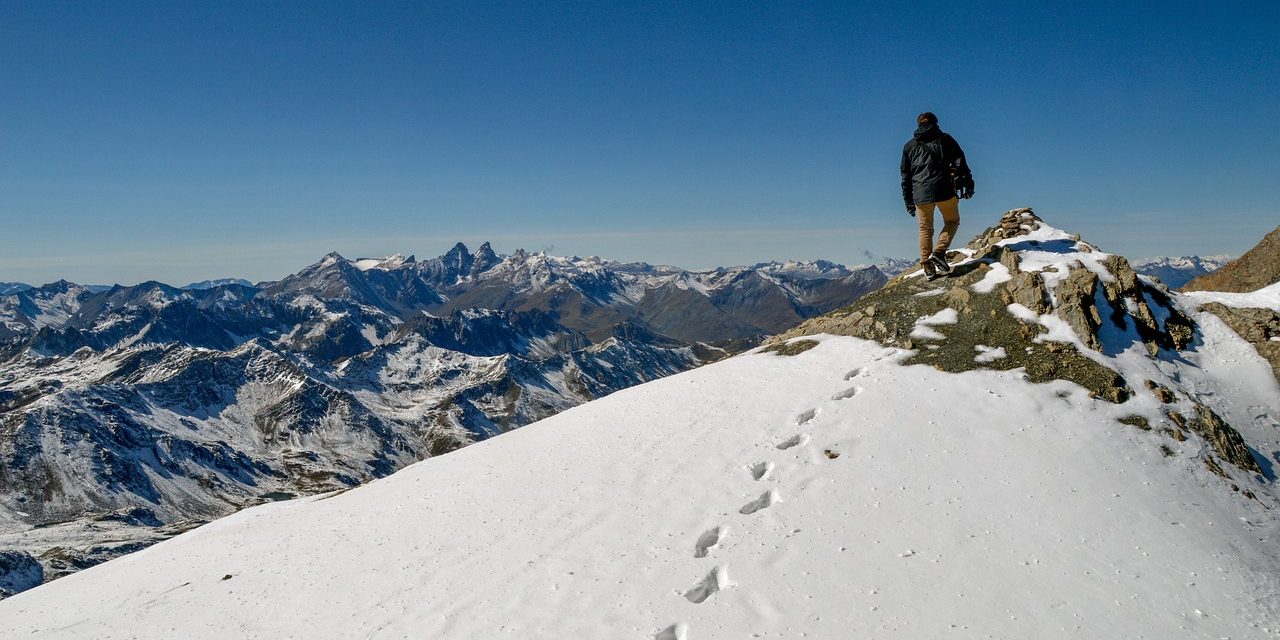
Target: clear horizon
[(185, 142)]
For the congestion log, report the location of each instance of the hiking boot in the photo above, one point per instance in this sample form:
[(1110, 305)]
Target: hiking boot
[(930, 271), (939, 262)]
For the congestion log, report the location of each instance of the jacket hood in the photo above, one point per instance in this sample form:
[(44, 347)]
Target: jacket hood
[(928, 132)]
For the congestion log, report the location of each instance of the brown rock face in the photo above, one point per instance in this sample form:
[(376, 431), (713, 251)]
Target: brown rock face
[(1076, 305), (1257, 268), (1225, 440)]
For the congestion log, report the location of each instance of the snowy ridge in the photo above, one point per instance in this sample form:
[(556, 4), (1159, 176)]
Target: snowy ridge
[(828, 496), (177, 406), (1060, 450)]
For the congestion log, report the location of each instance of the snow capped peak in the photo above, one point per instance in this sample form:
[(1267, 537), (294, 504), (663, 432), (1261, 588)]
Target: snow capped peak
[(804, 268), (1184, 261), (1177, 271), (393, 261), (221, 282), (458, 257), (330, 259)]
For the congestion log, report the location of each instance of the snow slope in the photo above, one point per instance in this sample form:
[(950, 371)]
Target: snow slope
[(1264, 298), (833, 494)]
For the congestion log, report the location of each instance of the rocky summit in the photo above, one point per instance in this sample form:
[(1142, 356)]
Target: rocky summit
[(1025, 295)]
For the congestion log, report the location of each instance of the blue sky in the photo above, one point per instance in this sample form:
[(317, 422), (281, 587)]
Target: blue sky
[(181, 141)]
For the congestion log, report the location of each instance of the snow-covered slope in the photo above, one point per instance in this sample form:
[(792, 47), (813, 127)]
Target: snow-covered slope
[(130, 414), (833, 494), (849, 489)]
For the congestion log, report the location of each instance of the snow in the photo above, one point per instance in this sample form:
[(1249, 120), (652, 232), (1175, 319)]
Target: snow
[(1057, 329), (988, 354), (997, 274), (924, 326), (1265, 298), (1044, 249), (807, 269), (390, 262), (673, 509), (690, 283)]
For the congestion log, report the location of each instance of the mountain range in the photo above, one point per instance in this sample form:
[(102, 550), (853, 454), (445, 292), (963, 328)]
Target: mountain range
[(1175, 272), (1045, 444), (135, 413)]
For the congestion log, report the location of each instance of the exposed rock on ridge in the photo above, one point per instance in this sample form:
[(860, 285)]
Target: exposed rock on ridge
[(1026, 295), (1257, 268)]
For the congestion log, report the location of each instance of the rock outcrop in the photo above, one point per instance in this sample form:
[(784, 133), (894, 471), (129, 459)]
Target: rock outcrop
[(1026, 295), (1257, 268)]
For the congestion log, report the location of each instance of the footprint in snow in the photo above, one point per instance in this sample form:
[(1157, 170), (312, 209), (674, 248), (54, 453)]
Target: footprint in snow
[(806, 417), (708, 541), (765, 501), (794, 441), (852, 374), (678, 631), (761, 470), (717, 580), (847, 393)]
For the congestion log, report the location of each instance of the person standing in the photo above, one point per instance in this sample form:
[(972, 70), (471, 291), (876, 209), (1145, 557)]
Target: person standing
[(935, 174)]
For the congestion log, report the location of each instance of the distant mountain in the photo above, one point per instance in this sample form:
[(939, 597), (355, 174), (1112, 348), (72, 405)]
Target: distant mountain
[(132, 413), (895, 266), (12, 287), (1175, 272), (1042, 445), (1257, 268), (210, 284)]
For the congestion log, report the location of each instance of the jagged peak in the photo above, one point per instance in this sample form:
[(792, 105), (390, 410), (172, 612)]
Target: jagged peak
[(459, 251), (328, 260), (484, 259)]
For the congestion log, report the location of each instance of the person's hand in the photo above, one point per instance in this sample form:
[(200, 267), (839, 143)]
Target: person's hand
[(966, 192), (964, 185), (911, 210)]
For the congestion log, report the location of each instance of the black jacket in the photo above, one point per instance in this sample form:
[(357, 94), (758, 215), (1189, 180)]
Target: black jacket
[(929, 160)]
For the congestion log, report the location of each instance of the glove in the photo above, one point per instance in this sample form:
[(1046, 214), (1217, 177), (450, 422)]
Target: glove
[(964, 185), (911, 210)]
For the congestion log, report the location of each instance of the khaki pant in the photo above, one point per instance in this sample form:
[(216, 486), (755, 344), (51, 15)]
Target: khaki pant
[(950, 222)]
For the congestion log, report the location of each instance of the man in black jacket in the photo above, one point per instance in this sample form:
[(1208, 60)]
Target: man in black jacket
[(933, 171)]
